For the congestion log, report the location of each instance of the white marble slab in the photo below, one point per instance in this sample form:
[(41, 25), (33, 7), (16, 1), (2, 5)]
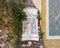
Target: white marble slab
[(30, 26)]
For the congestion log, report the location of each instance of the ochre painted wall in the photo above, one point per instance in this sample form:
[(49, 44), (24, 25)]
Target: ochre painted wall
[(48, 43), (37, 4)]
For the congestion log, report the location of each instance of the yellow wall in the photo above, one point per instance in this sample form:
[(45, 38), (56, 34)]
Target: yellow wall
[(37, 3), (48, 43)]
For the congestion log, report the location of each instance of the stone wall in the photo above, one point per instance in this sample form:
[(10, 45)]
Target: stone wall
[(5, 13)]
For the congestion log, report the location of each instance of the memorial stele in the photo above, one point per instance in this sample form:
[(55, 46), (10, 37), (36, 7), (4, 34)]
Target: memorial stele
[(30, 26)]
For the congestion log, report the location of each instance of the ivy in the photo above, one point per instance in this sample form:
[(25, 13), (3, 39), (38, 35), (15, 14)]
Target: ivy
[(40, 31), (39, 17), (18, 12), (18, 16), (41, 34)]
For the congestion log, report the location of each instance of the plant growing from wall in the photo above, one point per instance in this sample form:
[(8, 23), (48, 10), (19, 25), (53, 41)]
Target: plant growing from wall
[(40, 30), (39, 17), (18, 16)]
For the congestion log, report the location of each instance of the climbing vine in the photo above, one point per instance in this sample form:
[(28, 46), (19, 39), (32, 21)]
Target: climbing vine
[(40, 30), (18, 16)]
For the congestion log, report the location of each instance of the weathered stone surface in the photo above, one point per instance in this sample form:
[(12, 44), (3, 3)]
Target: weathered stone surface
[(30, 26)]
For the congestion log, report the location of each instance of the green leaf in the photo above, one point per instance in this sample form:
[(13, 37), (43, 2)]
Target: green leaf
[(41, 33)]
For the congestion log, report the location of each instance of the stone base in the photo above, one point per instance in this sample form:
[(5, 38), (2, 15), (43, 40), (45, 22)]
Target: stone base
[(32, 37)]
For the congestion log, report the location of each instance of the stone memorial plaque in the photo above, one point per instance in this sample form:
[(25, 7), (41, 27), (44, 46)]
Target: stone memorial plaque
[(53, 18), (30, 26)]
